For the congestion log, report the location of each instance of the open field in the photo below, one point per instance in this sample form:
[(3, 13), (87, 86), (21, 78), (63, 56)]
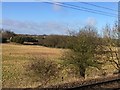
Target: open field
[(15, 58)]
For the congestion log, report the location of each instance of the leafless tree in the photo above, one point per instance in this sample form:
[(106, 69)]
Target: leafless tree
[(111, 38)]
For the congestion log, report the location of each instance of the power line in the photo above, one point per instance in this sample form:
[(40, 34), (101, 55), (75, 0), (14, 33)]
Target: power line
[(68, 6), (99, 6), (91, 9)]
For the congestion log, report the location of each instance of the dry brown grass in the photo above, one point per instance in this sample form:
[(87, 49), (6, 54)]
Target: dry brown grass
[(16, 57)]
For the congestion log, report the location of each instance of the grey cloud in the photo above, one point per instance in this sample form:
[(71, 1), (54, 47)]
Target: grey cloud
[(34, 27), (91, 21)]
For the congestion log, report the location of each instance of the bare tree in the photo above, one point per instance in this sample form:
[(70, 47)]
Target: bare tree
[(111, 38)]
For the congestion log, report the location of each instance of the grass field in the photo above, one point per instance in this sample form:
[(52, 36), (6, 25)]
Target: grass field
[(15, 58)]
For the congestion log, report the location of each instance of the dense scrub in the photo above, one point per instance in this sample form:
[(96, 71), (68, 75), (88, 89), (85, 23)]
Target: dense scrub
[(22, 39)]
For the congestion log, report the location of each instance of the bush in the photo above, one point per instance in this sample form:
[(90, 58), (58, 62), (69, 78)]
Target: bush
[(44, 70), (3, 40), (18, 39)]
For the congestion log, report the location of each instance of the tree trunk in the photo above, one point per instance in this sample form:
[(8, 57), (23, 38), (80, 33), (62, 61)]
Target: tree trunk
[(119, 71), (82, 72)]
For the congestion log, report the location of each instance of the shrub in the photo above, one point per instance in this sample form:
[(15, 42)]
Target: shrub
[(3, 40), (44, 70)]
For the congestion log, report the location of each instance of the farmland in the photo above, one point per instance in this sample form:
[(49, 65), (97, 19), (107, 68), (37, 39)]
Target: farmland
[(16, 57), (52, 44)]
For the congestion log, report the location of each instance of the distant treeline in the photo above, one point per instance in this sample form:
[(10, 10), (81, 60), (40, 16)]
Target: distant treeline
[(5, 35), (22, 39), (57, 41)]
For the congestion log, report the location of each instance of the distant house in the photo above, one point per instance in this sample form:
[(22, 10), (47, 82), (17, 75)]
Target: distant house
[(30, 43), (44, 36)]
